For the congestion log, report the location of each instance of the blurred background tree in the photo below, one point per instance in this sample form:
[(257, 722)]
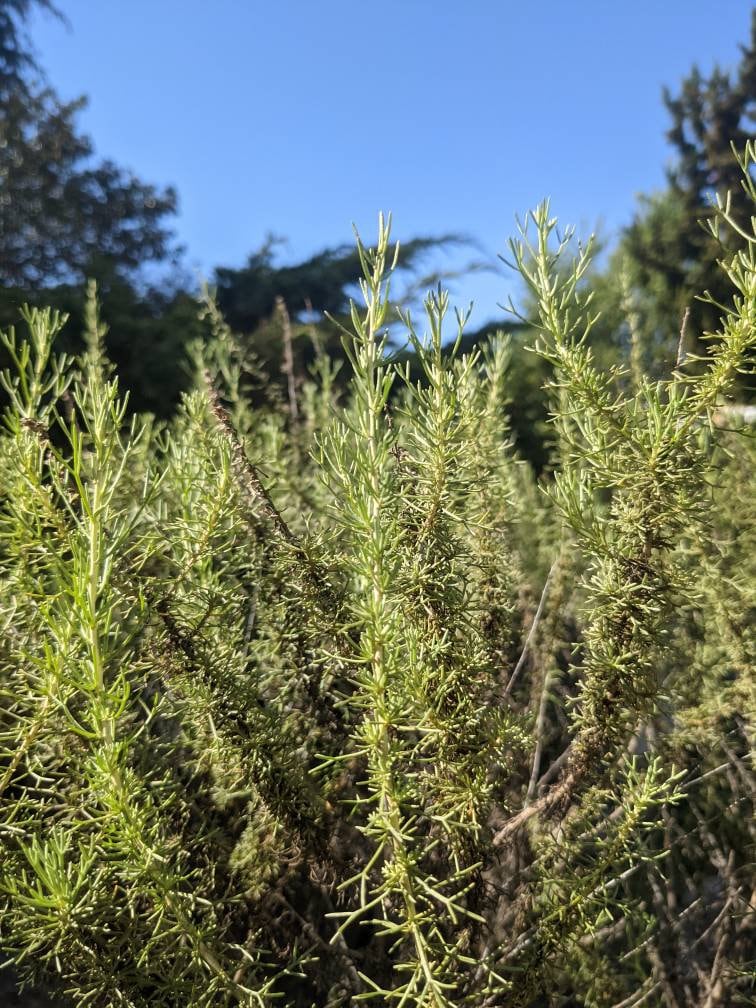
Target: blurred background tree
[(17, 61), (65, 217), (667, 254)]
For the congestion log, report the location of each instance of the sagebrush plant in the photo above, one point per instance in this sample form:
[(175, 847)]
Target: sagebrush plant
[(320, 703)]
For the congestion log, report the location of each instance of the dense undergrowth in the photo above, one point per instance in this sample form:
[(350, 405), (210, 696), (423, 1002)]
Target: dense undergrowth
[(308, 705)]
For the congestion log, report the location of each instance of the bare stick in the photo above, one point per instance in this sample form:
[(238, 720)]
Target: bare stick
[(681, 354), (539, 729), (288, 357), (533, 626)]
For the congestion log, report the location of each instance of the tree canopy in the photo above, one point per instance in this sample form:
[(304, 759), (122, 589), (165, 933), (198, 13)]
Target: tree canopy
[(64, 214), (17, 61), (668, 252)]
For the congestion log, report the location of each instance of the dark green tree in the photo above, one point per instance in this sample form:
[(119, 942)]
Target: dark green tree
[(17, 60), (66, 217), (668, 253), (63, 215)]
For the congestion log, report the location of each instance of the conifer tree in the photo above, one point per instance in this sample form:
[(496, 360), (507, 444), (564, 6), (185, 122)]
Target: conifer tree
[(670, 256)]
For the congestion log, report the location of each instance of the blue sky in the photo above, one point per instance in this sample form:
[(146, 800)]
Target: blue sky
[(300, 118)]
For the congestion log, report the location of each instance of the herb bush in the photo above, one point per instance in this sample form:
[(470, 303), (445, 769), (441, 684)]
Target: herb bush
[(309, 707)]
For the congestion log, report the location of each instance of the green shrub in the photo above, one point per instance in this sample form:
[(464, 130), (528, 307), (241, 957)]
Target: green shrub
[(316, 708)]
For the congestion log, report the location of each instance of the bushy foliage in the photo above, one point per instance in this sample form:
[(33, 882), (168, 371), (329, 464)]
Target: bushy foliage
[(309, 705)]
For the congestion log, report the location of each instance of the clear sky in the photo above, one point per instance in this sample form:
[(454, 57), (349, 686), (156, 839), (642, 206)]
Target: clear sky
[(300, 118)]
